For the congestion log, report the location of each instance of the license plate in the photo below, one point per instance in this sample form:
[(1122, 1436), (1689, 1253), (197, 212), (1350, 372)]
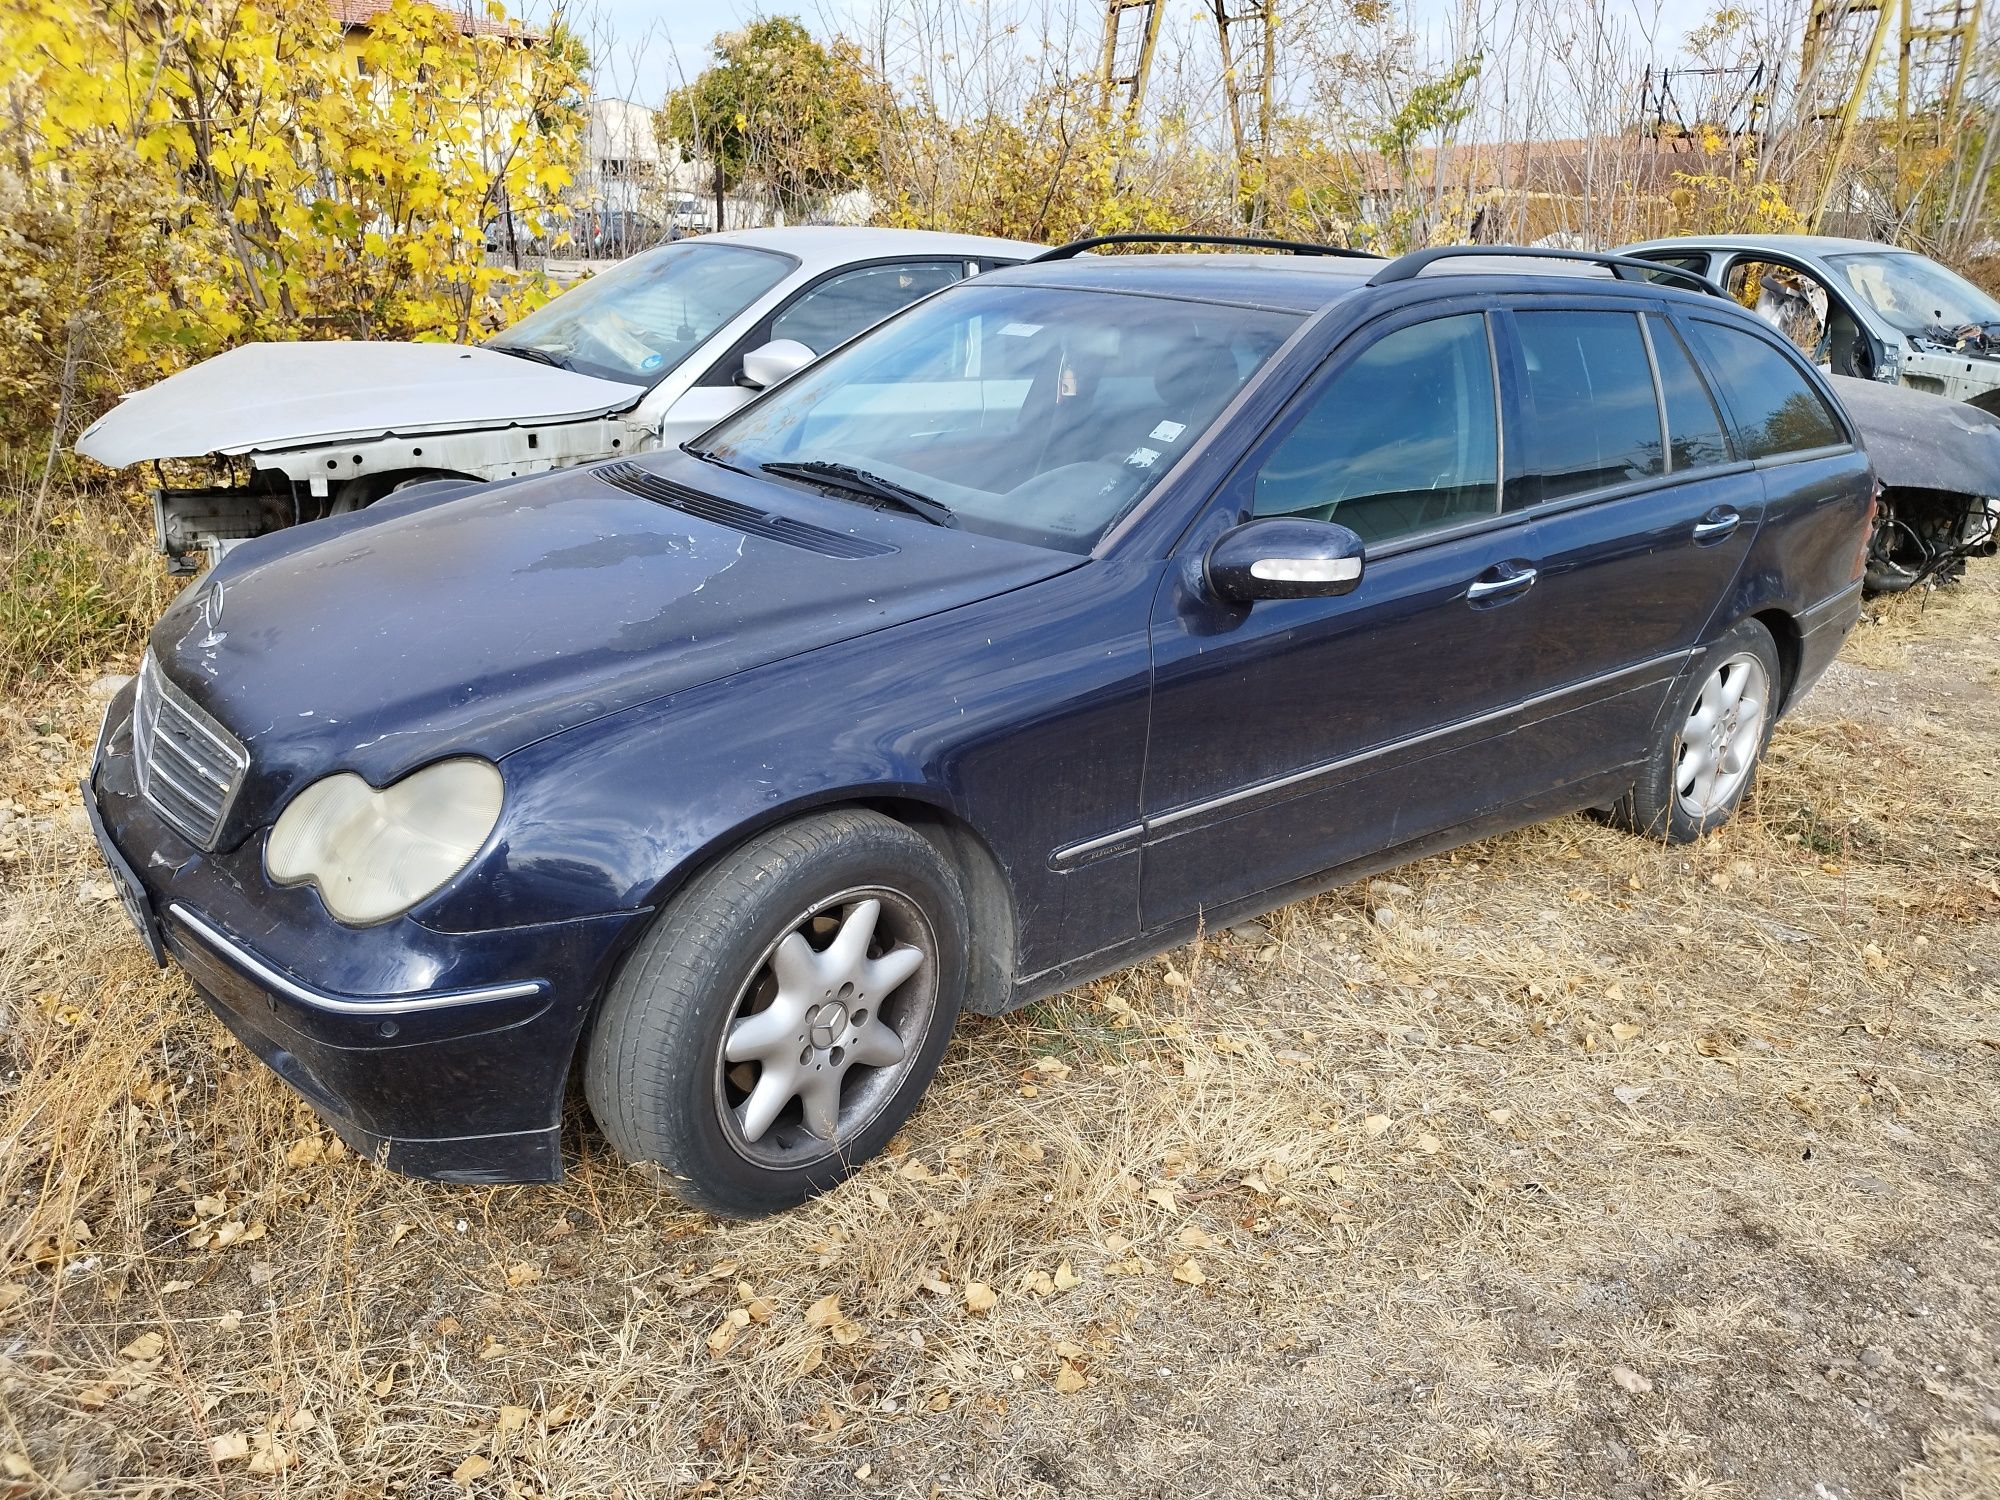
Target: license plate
[(131, 895)]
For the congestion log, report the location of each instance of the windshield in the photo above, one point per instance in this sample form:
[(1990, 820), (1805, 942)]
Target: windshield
[(1034, 414), (1915, 294), (639, 319)]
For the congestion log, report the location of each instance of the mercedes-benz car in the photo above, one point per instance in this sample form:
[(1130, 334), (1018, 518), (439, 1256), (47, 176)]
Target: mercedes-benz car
[(1072, 609), (638, 357)]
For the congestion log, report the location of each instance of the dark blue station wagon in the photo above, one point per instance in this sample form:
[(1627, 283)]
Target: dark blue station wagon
[(1077, 606)]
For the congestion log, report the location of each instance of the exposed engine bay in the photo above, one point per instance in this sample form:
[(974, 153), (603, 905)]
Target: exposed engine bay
[(1938, 463)]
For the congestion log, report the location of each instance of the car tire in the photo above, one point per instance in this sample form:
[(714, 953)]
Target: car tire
[(1709, 741), (764, 980)]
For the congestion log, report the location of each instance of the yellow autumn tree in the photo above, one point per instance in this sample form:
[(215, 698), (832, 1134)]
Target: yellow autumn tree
[(177, 175)]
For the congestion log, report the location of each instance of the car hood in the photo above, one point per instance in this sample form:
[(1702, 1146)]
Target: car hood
[(1919, 441), (481, 621), (262, 397)]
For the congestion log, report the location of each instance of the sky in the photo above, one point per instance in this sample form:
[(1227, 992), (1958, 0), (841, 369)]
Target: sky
[(655, 42)]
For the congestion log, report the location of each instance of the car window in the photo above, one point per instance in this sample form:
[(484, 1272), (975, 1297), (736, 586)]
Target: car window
[(841, 306), (638, 320), (1790, 300), (1776, 411), (1695, 263), (1035, 413), (1694, 428), (1916, 294), (1593, 418), (1402, 439)]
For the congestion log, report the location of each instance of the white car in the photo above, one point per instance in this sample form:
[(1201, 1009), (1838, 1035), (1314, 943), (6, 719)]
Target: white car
[(644, 356)]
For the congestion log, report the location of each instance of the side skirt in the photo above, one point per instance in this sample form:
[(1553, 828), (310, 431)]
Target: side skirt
[(1599, 791)]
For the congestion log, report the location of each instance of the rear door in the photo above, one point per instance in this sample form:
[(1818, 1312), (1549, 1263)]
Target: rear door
[(1814, 479), (1643, 514)]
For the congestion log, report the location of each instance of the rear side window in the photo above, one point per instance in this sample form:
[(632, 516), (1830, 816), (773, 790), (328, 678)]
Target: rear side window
[(1694, 428), (1401, 440), (1776, 411), (1593, 417)]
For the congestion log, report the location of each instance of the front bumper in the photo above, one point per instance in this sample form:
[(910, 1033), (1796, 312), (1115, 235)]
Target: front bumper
[(440, 1055)]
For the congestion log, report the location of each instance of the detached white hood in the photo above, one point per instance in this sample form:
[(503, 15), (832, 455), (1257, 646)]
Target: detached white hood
[(264, 397)]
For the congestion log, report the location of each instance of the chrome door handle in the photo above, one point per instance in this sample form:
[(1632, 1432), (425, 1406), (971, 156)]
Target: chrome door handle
[(1716, 525), (1519, 581)]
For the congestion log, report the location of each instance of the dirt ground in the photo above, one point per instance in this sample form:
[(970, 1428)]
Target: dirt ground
[(1566, 1164)]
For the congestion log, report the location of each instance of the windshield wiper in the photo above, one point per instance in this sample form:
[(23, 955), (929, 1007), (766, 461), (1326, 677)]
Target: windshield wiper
[(861, 482), (524, 351)]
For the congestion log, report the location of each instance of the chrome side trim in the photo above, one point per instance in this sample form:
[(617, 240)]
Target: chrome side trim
[(1327, 768), (1075, 853), (253, 967)]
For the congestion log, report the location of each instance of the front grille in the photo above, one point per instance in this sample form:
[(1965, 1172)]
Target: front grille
[(634, 480), (189, 766)]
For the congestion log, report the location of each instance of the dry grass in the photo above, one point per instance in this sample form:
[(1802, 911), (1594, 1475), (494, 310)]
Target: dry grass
[(1337, 1208)]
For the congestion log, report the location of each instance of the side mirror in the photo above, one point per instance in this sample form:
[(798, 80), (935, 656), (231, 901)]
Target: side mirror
[(778, 360), (1284, 557)]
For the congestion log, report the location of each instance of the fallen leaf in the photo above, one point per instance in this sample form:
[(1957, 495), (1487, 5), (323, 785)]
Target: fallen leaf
[(523, 1273), (1197, 1238), (1038, 1283), (826, 1315), (308, 1152), (475, 1466), (1628, 1379), (1624, 1031), (1163, 1197), (1500, 1116), (1374, 1125), (1069, 1379), (1429, 1143), (512, 1419), (1189, 1271), (1065, 1278), (145, 1346), (229, 1447), (979, 1297)]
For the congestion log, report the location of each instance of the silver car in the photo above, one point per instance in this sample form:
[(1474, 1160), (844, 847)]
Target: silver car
[(643, 356)]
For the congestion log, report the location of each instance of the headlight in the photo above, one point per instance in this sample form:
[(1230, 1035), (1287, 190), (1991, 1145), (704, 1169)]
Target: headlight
[(374, 853)]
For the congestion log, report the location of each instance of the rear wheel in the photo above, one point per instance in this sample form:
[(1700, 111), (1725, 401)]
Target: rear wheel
[(785, 1013), (1710, 741)]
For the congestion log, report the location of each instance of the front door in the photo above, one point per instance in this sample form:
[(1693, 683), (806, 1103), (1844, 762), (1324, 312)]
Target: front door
[(1295, 735)]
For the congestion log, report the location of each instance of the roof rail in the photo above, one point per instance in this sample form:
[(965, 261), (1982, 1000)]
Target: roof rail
[(1248, 242), (1407, 267)]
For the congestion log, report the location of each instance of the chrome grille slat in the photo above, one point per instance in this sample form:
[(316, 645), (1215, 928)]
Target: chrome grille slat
[(189, 766)]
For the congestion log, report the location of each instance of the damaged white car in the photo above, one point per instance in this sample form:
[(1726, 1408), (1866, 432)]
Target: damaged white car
[(643, 356), (1876, 318)]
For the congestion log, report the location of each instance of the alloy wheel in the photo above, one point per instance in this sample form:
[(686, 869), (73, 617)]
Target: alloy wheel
[(1718, 745), (832, 1017)]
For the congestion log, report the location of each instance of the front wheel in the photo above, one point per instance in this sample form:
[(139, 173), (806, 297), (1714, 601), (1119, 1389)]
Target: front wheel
[(1709, 742), (784, 1014)]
